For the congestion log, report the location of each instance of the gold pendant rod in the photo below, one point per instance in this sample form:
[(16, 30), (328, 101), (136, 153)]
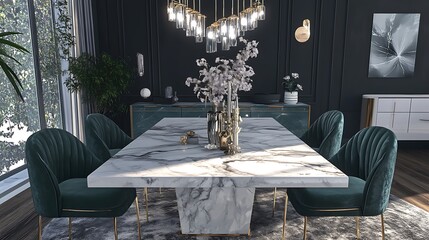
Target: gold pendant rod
[(215, 11), (223, 8)]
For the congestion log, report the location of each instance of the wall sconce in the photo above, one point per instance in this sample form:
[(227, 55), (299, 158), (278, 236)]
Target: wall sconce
[(302, 34), (140, 64)]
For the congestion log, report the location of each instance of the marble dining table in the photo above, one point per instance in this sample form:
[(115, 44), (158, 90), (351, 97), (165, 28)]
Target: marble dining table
[(215, 192)]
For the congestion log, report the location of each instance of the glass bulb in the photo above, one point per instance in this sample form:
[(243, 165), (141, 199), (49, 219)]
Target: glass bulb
[(188, 22), (211, 41), (200, 29), (233, 29), (254, 18), (261, 12), (250, 25), (171, 11), (216, 27), (243, 21), (180, 15), (223, 22), (225, 44)]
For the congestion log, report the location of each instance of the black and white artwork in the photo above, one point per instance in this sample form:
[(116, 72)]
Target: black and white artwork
[(393, 45)]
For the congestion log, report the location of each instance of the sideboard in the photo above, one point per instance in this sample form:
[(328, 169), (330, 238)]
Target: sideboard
[(407, 115), (294, 117)]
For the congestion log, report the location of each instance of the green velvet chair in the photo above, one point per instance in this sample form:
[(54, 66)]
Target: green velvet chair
[(325, 134), (58, 165), (368, 158), (103, 137)]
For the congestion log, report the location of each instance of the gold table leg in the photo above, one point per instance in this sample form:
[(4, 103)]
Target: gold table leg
[(138, 218), (357, 227), (305, 228), (115, 228), (284, 218), (274, 200), (146, 204), (70, 228), (39, 232), (382, 227)]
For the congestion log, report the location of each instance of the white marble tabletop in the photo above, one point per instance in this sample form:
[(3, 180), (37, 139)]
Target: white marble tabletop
[(271, 157)]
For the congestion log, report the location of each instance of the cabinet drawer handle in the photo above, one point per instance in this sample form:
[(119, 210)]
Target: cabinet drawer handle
[(424, 120)]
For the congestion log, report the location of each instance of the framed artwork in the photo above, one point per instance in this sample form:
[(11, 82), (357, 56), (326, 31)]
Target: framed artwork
[(393, 45)]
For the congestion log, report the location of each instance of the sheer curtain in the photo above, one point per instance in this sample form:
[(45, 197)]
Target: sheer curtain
[(75, 110)]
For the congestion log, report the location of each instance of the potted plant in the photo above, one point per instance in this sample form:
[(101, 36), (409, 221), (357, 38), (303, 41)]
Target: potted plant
[(4, 55), (291, 88), (103, 80)]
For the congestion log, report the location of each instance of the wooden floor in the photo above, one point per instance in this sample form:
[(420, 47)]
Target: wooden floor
[(411, 179), (411, 183), (18, 219)]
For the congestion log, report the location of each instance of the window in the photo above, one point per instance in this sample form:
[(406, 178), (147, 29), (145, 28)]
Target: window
[(18, 120)]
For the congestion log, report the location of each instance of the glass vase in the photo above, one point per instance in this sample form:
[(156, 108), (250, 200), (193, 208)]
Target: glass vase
[(214, 128)]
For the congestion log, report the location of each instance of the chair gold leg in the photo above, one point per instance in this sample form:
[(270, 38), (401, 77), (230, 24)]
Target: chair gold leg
[(146, 204), (284, 218), (70, 228), (274, 200), (382, 227), (138, 218), (357, 227), (305, 228), (115, 228), (39, 231), (249, 234)]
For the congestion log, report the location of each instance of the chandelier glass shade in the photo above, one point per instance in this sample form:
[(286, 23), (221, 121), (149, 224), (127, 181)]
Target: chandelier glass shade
[(224, 31)]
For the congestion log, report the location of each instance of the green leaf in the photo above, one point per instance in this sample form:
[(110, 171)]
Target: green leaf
[(10, 43), (10, 74), (13, 78)]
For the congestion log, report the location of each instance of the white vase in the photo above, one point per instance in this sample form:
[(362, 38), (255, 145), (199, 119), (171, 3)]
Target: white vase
[(291, 97)]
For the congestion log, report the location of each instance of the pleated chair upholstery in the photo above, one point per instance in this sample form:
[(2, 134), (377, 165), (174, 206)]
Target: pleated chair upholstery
[(103, 137), (368, 158), (326, 133), (58, 165)]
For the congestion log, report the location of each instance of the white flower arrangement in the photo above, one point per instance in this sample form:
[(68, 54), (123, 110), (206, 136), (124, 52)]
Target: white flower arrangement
[(291, 84), (213, 82)]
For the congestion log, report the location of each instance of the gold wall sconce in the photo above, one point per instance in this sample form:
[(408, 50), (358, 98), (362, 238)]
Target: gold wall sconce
[(302, 34)]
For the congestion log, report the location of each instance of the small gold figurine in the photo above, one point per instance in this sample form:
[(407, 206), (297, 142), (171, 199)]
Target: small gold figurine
[(184, 139), (190, 133)]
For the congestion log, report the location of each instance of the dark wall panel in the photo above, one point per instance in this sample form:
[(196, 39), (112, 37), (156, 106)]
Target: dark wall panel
[(355, 81), (333, 64)]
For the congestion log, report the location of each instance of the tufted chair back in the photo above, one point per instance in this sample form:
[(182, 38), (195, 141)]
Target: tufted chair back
[(371, 156), (326, 133), (102, 134), (53, 156)]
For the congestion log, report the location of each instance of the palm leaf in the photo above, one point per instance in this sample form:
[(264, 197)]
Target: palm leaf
[(13, 78), (10, 74), (2, 52)]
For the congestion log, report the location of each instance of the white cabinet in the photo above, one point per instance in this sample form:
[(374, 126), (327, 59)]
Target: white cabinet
[(406, 115), (394, 105), (397, 122)]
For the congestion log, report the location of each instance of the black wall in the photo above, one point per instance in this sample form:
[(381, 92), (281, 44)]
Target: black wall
[(333, 64)]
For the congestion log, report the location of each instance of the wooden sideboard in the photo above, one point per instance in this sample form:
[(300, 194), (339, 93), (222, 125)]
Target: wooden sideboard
[(407, 115), (294, 117)]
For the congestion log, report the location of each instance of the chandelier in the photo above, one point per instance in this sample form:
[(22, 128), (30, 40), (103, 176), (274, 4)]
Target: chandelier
[(225, 30)]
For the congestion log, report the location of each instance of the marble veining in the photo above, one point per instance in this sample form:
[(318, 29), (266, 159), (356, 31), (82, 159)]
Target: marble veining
[(271, 157), (215, 210)]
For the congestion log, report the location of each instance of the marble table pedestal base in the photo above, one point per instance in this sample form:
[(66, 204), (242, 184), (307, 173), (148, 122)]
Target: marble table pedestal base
[(215, 211)]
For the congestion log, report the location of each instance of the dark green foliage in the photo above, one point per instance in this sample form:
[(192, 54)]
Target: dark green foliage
[(5, 47), (17, 118), (103, 81), (63, 29)]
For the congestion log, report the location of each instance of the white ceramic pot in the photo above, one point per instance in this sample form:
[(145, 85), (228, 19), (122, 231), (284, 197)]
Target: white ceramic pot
[(291, 97)]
